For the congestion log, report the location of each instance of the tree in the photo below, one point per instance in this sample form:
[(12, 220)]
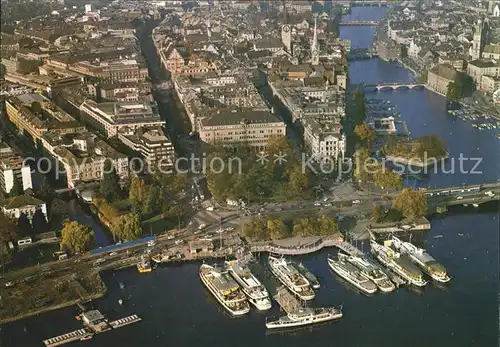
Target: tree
[(58, 212), (359, 106), (127, 227), (304, 227), (411, 203), (110, 186), (378, 213), (153, 201), (431, 146), (45, 191), (76, 237), (327, 225), (364, 169), (17, 188), (8, 233), (462, 86), (24, 225), (39, 222), (138, 190), (255, 229), (276, 229), (36, 107), (365, 133), (387, 179)]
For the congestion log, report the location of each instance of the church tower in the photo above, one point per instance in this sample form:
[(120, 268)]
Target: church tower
[(314, 45), (286, 32), (478, 41)]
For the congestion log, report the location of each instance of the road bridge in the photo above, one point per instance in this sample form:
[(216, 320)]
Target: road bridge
[(359, 23), (362, 3), (393, 86)]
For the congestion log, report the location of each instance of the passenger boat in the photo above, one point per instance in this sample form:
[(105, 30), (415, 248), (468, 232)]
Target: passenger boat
[(291, 277), (352, 275), (371, 271), (224, 289), (255, 292), (398, 263), (419, 256), (313, 280), (144, 265), (305, 316)]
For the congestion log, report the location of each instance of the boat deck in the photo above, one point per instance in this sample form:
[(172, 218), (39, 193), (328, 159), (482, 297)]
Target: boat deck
[(288, 302)]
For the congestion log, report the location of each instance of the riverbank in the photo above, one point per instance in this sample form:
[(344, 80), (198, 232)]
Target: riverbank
[(33, 298)]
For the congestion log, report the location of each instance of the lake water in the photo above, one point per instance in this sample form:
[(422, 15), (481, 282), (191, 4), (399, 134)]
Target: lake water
[(178, 311)]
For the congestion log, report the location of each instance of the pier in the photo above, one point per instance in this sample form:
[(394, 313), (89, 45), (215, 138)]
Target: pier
[(95, 323), (288, 302), (67, 338)]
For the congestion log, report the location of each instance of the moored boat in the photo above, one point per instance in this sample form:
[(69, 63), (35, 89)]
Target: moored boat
[(255, 291), (397, 262), (144, 265), (224, 289), (291, 277), (352, 275), (419, 256), (313, 280), (372, 271), (305, 316)]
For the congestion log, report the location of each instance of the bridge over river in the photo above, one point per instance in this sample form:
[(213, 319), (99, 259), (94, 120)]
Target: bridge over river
[(359, 23), (393, 86)]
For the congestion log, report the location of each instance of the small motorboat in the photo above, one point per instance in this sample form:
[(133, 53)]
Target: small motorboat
[(120, 301)]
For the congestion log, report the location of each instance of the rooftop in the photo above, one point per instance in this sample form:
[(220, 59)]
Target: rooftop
[(245, 117)]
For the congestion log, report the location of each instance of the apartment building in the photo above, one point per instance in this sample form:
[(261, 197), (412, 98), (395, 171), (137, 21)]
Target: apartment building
[(440, 77), (489, 84), (23, 204), (12, 167), (83, 156), (127, 70), (480, 67), (21, 112), (252, 128), (152, 144), (110, 117), (324, 140)]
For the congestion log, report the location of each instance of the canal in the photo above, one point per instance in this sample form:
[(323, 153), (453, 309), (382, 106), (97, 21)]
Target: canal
[(178, 311)]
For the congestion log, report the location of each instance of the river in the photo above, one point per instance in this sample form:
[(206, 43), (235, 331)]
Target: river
[(178, 311)]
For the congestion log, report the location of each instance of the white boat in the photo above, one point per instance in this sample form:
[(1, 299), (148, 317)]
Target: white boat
[(255, 292), (422, 259), (372, 271), (224, 289), (352, 275), (398, 263), (305, 316), (291, 278)]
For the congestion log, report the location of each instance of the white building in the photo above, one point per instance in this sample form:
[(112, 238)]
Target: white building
[(110, 117), (88, 8), (16, 206), (325, 142), (12, 167)]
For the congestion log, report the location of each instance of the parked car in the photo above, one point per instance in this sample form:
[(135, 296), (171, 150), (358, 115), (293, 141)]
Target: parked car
[(170, 237), (9, 284), (201, 226), (460, 197), (356, 202)]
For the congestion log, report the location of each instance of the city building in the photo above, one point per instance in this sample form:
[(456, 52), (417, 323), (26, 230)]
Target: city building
[(489, 84), (23, 204), (110, 117), (478, 68), (12, 167), (324, 140), (252, 128), (83, 157), (125, 70), (440, 77), (152, 144), (36, 120)]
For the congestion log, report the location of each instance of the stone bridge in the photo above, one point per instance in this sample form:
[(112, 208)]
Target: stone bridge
[(393, 86), (359, 23)]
